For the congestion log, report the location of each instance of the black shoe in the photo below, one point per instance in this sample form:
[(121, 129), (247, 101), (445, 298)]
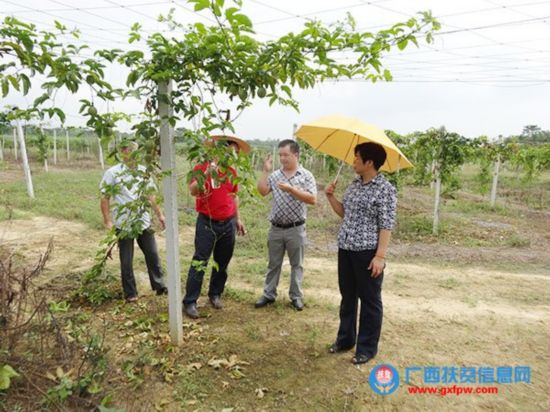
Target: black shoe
[(216, 302), (359, 359), (298, 304), (335, 348), (191, 310), (263, 301), (162, 291)]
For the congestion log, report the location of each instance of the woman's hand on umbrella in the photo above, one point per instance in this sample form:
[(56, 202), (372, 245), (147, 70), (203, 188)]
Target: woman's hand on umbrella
[(331, 187), (268, 163)]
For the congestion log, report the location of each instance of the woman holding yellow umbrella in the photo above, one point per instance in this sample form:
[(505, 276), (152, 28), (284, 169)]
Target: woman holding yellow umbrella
[(368, 210)]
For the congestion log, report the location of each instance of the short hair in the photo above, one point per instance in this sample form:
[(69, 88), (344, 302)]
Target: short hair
[(371, 151), (294, 148)]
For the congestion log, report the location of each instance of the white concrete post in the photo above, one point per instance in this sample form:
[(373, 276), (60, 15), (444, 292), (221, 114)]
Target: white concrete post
[(26, 168), (437, 172), (54, 146), (67, 144), (169, 183), (15, 150), (46, 157), (101, 161), (495, 181)]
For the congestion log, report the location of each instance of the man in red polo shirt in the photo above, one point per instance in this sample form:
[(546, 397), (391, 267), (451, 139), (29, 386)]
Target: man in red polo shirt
[(217, 223)]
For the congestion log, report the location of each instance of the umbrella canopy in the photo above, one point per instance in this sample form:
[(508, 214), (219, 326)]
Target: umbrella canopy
[(337, 136)]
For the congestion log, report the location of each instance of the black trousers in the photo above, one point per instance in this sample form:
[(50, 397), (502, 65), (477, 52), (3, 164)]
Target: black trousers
[(148, 245), (356, 283), (211, 236)]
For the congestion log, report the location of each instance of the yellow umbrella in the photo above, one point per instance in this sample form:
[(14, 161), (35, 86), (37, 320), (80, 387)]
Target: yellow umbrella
[(337, 136)]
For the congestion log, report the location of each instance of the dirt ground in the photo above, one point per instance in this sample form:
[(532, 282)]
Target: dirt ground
[(444, 306)]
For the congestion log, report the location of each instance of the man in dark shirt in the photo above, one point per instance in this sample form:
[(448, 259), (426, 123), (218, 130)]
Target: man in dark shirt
[(368, 210)]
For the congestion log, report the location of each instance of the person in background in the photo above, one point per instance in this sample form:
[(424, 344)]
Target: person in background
[(293, 188), (217, 223), (122, 187), (368, 211)]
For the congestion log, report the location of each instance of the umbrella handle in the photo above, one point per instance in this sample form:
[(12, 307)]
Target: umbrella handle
[(338, 173)]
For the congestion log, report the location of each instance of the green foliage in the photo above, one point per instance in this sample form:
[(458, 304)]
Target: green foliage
[(487, 154), (397, 179), (453, 184), (415, 226), (6, 374), (32, 53), (532, 159), (483, 178), (97, 283), (43, 146), (439, 152), (86, 382), (62, 391)]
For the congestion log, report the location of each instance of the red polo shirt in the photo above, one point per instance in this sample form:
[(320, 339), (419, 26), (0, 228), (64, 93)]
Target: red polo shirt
[(217, 203)]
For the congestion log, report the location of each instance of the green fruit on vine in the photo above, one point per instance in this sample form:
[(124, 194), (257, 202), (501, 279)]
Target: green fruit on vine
[(92, 111), (149, 145), (233, 91), (261, 92), (243, 93)]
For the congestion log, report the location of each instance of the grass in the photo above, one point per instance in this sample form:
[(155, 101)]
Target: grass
[(480, 207), (60, 194)]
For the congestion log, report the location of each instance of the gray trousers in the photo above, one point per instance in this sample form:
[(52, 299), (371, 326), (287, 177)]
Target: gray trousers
[(293, 241)]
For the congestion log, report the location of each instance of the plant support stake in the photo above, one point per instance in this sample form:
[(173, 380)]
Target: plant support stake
[(169, 184)]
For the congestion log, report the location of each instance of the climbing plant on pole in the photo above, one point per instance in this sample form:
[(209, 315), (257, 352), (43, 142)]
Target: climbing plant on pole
[(491, 156), (446, 152), (533, 159)]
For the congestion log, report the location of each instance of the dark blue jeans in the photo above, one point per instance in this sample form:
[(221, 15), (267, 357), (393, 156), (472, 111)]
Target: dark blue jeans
[(356, 283), (148, 245), (211, 236)]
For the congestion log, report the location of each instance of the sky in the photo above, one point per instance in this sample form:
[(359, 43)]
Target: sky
[(487, 72)]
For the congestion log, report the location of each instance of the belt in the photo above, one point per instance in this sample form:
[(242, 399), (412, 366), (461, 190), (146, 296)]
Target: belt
[(229, 219), (288, 225)]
